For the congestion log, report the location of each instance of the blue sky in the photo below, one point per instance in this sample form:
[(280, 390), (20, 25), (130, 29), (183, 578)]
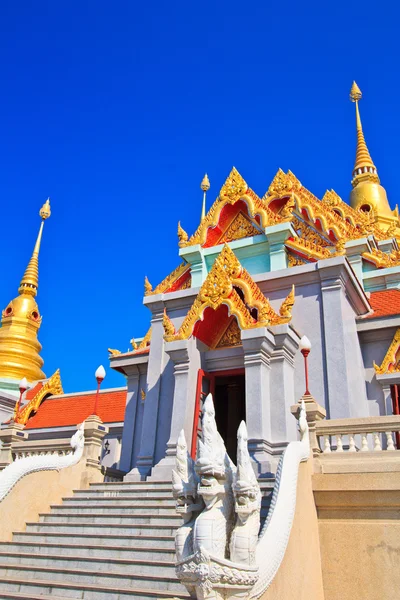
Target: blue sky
[(116, 110)]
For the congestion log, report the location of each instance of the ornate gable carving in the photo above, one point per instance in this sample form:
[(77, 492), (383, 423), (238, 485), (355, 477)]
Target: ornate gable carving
[(219, 288), (51, 387), (231, 336), (282, 185), (391, 362), (240, 227)]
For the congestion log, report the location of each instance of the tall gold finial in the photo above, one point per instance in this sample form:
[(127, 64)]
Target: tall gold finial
[(205, 186), (368, 196), (30, 281), (363, 163), (21, 320)]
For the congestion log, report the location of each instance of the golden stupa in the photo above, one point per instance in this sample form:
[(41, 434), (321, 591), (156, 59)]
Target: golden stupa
[(367, 194), (19, 346)]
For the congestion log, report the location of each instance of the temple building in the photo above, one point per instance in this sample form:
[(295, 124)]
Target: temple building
[(272, 349), (258, 274)]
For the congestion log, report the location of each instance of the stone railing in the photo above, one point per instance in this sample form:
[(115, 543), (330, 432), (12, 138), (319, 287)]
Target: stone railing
[(369, 434), (40, 448)]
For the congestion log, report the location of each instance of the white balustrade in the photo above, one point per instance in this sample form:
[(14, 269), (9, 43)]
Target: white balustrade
[(369, 434)]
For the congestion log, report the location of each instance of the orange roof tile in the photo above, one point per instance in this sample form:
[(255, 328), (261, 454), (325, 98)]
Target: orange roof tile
[(384, 303), (62, 411), (31, 393)]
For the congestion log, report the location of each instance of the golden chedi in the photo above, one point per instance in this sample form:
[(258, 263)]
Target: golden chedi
[(367, 194), (19, 346)]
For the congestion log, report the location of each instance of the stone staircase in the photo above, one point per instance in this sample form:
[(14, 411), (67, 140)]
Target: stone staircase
[(112, 541)]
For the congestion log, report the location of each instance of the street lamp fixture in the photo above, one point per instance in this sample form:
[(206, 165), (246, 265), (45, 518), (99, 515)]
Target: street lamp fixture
[(100, 374), (305, 348)]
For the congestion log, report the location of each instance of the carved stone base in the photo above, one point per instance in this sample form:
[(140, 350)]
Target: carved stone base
[(212, 578)]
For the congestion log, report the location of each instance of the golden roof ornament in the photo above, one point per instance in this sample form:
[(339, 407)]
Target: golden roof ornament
[(182, 235), (147, 286), (169, 328), (205, 183), (205, 186), (234, 187)]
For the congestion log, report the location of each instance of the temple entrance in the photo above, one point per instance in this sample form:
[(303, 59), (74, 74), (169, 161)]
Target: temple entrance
[(230, 408), (228, 390)]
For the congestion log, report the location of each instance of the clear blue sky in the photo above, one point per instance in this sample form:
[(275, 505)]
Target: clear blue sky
[(116, 110)]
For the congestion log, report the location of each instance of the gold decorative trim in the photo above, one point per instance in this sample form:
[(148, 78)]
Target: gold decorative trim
[(114, 352), (169, 328), (295, 261), (52, 386), (307, 248), (147, 286), (389, 363), (169, 280), (219, 288), (382, 260), (145, 341)]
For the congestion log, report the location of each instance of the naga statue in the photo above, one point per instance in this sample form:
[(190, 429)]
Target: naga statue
[(227, 555), (188, 503), (41, 462)]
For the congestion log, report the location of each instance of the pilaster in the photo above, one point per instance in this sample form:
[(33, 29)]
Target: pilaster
[(342, 300), (94, 432), (258, 345), (354, 250), (282, 383), (277, 236), (186, 357), (194, 256), (156, 362)]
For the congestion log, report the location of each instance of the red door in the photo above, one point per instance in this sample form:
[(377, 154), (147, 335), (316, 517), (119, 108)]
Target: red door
[(205, 385)]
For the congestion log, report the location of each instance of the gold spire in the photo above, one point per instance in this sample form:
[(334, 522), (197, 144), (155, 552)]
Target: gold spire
[(205, 186), (19, 346), (30, 281), (363, 157), (367, 195)]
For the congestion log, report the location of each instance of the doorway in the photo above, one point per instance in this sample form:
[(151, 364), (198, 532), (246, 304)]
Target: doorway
[(230, 408)]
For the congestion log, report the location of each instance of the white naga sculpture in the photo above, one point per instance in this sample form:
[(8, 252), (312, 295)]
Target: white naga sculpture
[(220, 551), (41, 462)]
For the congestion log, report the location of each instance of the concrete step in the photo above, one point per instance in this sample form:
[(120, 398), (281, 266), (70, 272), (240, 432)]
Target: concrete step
[(19, 588), (122, 491), (94, 564), (119, 501), (120, 579), (100, 529), (166, 484), (172, 519), (111, 509), (153, 553), (105, 540)]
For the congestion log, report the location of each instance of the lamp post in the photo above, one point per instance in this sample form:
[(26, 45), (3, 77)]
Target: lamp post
[(100, 374), (305, 347), (23, 386)]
